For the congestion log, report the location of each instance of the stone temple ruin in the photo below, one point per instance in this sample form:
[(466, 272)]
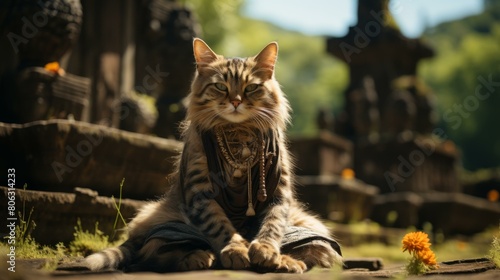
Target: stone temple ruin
[(389, 117), (386, 134), (71, 134)]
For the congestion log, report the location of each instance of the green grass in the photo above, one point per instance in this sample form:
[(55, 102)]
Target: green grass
[(28, 248), (494, 254), (118, 205), (83, 244), (86, 243)]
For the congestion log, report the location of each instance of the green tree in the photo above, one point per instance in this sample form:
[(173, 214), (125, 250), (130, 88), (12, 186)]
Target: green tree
[(218, 19), (467, 53)]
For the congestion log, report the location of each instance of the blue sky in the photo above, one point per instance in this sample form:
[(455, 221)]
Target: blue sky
[(333, 17)]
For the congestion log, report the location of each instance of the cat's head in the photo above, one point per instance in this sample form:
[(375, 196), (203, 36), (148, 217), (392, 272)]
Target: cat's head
[(236, 90)]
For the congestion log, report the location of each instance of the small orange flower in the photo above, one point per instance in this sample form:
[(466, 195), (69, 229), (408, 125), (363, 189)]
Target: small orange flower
[(348, 174), (427, 257), (415, 242), (423, 259), (54, 67), (493, 195)]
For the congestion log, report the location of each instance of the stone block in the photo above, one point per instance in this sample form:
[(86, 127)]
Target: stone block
[(327, 154), (59, 155), (419, 165), (341, 200), (397, 209)]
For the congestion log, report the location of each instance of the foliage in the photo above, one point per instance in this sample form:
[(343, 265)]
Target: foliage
[(467, 52), (218, 19)]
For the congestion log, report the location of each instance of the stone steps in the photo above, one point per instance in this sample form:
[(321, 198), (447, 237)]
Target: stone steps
[(59, 155), (56, 214)]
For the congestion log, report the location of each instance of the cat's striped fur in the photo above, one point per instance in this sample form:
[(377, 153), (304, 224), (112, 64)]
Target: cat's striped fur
[(224, 92)]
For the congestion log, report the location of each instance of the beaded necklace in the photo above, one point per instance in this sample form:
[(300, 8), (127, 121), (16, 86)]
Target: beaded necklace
[(243, 158)]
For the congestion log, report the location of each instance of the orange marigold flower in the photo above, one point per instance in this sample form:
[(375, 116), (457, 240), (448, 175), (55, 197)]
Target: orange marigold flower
[(423, 259), (415, 242), (427, 257)]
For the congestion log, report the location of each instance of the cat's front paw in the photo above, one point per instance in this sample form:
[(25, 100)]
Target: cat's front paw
[(267, 258), (291, 265), (197, 260), (235, 256), (264, 255)]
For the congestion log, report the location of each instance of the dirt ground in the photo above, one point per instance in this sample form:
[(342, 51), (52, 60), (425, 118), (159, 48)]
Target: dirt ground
[(481, 269)]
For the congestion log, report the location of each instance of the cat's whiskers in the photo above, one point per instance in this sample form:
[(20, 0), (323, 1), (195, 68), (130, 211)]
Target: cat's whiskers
[(267, 117), (206, 117), (261, 122)]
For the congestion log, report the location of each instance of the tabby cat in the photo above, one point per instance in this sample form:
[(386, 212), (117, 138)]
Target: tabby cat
[(233, 188)]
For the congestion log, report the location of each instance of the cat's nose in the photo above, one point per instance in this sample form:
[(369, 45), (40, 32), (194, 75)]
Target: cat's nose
[(236, 103)]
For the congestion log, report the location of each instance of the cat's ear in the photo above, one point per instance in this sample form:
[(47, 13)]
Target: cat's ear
[(266, 59), (203, 54)]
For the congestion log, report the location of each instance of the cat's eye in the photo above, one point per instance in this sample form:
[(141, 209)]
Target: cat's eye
[(221, 86), (251, 87)]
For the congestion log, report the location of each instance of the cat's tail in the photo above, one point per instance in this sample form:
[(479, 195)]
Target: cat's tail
[(112, 258)]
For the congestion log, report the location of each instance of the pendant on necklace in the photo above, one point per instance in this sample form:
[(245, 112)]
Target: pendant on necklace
[(245, 153), (237, 173)]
